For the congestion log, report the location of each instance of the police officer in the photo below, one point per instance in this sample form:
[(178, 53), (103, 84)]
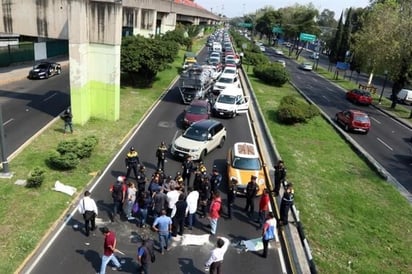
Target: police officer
[(286, 203), (141, 180), (204, 194), (187, 169), (179, 180), (197, 181), (132, 161), (280, 176), (231, 196), (161, 156), (215, 179), (251, 191)]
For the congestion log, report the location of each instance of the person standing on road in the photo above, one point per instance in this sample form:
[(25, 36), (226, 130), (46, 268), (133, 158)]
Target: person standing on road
[(118, 194), (214, 212), (87, 206), (144, 255), (141, 180), (67, 117), (163, 226), (130, 200), (280, 176), (251, 191), (215, 179), (286, 203), (214, 264), (192, 200), (263, 207), (187, 169), (132, 161), (172, 198), (159, 202), (268, 233), (204, 194), (179, 215), (161, 156), (231, 196), (109, 249)]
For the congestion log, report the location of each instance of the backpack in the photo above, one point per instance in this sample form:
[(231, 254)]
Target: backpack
[(117, 192)]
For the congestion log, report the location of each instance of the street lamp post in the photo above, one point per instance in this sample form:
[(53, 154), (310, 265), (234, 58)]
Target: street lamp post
[(383, 86)]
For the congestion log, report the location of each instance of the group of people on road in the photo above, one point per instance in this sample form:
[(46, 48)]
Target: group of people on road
[(173, 203)]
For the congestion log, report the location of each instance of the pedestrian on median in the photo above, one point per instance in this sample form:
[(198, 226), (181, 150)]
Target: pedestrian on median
[(67, 117), (132, 161), (144, 256), (163, 226), (214, 264), (286, 203), (269, 232), (263, 207), (280, 176), (251, 191), (161, 155), (87, 206), (214, 212), (109, 248)]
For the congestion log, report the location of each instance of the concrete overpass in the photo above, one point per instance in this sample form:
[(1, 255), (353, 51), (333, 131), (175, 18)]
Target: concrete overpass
[(94, 31)]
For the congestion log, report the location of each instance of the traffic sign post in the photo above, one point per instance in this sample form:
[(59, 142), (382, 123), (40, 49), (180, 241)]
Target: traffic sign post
[(307, 37)]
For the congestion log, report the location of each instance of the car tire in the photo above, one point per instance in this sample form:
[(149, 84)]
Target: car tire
[(346, 127), (202, 155), (234, 114), (59, 71), (222, 142)]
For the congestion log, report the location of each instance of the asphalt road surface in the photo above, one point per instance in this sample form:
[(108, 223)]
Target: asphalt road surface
[(68, 250), (388, 141)]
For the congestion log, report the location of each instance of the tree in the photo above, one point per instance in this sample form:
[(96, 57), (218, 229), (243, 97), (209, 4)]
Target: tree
[(335, 43), (192, 32), (327, 19), (345, 39), (266, 23), (383, 43)]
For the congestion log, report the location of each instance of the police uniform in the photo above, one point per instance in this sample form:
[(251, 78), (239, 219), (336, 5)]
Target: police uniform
[(215, 180), (161, 156), (141, 180), (132, 161), (187, 168), (251, 191), (204, 194), (231, 196)]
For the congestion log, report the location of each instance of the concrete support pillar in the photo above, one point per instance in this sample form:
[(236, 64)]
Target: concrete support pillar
[(168, 22), (94, 59), (137, 21), (196, 21)]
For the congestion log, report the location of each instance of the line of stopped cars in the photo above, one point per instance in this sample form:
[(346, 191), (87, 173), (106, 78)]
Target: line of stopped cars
[(211, 91)]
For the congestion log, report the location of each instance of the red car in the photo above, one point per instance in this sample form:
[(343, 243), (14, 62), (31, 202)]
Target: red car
[(359, 96), (196, 111), (354, 120)]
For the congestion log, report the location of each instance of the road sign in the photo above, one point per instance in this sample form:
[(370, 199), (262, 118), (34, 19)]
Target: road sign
[(245, 25), (342, 66), (277, 30), (307, 37)]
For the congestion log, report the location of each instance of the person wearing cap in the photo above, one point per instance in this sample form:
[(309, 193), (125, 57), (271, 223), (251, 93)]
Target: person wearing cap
[(286, 203), (132, 161), (141, 180), (251, 191), (280, 176), (231, 196), (118, 191), (109, 248), (215, 179), (161, 155), (87, 206), (187, 169)]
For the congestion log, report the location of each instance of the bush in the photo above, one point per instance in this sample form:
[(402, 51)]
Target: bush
[(36, 177), (85, 148), (272, 74), (65, 161), (68, 146), (292, 110), (254, 59)]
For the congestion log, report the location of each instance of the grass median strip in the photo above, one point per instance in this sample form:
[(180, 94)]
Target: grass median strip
[(354, 220)]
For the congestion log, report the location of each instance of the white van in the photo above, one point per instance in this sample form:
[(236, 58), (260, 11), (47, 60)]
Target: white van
[(405, 96)]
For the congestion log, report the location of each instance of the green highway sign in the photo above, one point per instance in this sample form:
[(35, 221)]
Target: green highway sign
[(245, 25), (277, 30), (307, 37)]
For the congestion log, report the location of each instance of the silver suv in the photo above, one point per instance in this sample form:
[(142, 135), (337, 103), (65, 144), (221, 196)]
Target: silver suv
[(199, 140)]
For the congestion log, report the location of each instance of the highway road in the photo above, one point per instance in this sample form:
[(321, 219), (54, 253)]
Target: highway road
[(68, 250), (29, 105), (388, 141)]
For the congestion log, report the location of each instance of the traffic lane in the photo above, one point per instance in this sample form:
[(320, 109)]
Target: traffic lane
[(30, 105), (80, 257), (388, 147)]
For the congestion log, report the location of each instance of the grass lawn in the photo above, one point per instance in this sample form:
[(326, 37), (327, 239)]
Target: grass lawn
[(26, 214), (354, 220)]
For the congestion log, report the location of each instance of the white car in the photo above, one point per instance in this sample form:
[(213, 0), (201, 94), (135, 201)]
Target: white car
[(230, 103), (278, 52), (262, 48), (199, 140), (230, 70), (224, 81), (281, 62), (306, 66)]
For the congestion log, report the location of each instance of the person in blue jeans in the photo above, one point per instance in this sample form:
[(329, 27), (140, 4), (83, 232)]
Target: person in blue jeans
[(163, 226), (145, 202)]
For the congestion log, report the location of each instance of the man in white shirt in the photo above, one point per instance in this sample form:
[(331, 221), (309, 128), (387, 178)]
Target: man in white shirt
[(192, 200), (172, 198), (215, 261), (87, 206)]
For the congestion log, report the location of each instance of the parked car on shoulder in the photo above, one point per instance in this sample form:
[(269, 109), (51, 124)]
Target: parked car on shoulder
[(359, 96), (197, 110), (243, 161), (44, 70), (354, 120), (199, 140), (405, 96), (306, 66)]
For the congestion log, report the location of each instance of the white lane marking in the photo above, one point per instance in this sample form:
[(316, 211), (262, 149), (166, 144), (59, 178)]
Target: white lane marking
[(8, 121), (326, 98), (315, 80), (376, 120), (399, 123), (330, 89), (51, 96), (386, 145)]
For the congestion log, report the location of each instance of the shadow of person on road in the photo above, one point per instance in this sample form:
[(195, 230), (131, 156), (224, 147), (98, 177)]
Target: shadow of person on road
[(187, 267), (93, 257)]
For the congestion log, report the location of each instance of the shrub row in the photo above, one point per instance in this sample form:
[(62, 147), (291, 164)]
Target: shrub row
[(293, 110), (271, 73)]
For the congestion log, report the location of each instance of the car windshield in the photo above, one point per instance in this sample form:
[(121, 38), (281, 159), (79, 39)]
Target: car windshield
[(41, 66), (197, 110), (246, 163), (225, 80), (364, 93), (226, 99), (361, 119), (230, 61), (230, 71), (196, 133)]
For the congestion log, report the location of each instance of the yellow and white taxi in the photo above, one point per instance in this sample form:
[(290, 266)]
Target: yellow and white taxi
[(243, 161)]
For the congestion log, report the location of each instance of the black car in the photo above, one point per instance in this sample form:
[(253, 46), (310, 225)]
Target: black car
[(44, 70)]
